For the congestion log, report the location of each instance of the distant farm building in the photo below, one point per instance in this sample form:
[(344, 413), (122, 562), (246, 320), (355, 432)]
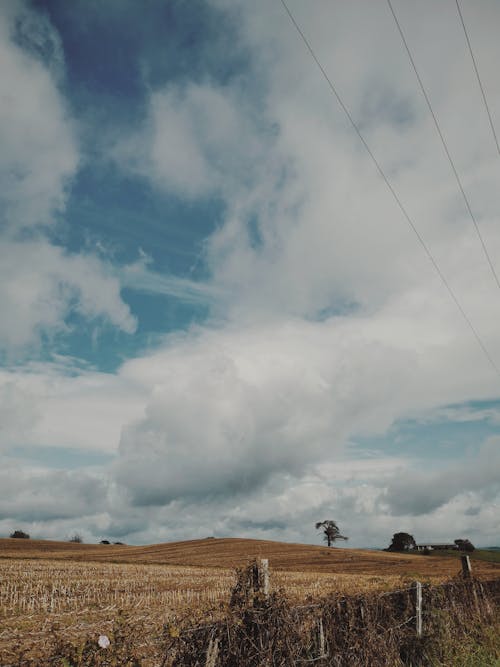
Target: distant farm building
[(436, 547)]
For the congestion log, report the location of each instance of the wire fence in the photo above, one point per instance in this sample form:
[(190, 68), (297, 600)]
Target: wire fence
[(413, 626), (397, 627)]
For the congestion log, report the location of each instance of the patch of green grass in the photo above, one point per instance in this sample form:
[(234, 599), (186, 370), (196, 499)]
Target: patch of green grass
[(486, 554), (477, 554), (479, 649)]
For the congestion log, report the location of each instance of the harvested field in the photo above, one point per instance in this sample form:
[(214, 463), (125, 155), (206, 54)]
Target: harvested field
[(84, 589), (84, 599), (235, 552)]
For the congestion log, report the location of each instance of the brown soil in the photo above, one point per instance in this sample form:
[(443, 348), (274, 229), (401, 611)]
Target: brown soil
[(235, 552)]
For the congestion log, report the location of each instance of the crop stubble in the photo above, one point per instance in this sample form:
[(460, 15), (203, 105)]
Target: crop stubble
[(80, 598)]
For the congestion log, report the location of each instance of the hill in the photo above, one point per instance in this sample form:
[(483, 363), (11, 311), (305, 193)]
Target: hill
[(235, 552), (491, 555)]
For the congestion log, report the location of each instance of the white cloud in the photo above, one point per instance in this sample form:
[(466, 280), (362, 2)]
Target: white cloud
[(253, 425), (142, 279), (40, 285), (60, 405), (229, 409), (421, 492), (465, 413), (39, 495), (18, 412), (197, 140), (39, 153), (241, 425), (310, 226), (330, 232)]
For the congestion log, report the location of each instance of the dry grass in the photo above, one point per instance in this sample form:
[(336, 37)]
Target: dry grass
[(32, 587), (369, 630), (233, 552), (84, 599), (79, 589)]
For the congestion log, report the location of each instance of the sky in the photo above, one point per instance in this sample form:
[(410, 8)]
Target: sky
[(215, 318)]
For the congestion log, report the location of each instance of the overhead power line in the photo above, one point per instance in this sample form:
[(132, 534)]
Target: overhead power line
[(480, 83), (445, 147), (391, 189)]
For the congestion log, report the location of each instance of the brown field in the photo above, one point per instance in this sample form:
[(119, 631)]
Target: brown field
[(235, 552), (82, 588)]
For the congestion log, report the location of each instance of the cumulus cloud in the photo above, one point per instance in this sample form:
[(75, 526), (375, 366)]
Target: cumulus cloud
[(310, 227), (18, 413), (330, 234), (329, 325), (416, 493), (252, 427), (198, 140), (61, 405), (227, 411), (41, 285), (39, 152), (30, 495)]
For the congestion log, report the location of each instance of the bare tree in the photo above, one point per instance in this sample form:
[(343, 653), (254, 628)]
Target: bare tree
[(331, 531)]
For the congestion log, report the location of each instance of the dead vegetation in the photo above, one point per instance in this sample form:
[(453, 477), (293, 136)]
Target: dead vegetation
[(56, 609), (370, 630), (83, 599), (232, 552)]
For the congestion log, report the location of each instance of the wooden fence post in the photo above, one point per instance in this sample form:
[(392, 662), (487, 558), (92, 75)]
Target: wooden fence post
[(264, 576), (417, 587), (321, 640), (467, 575), (212, 652), (261, 578), (466, 567)]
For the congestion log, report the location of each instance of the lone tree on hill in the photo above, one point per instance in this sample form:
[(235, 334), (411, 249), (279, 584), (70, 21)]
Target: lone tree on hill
[(402, 542), (331, 531)]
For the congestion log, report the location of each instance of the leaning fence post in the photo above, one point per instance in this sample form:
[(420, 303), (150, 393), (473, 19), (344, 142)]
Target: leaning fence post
[(212, 652), (466, 567), (417, 587)]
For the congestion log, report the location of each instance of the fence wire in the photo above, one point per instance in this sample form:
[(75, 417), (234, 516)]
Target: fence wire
[(365, 630)]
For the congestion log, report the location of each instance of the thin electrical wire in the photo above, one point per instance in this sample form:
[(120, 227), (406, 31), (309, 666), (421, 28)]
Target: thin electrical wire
[(391, 189), (480, 83), (445, 147)]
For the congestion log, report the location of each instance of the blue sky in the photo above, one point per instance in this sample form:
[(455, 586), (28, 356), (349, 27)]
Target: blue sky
[(215, 319)]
